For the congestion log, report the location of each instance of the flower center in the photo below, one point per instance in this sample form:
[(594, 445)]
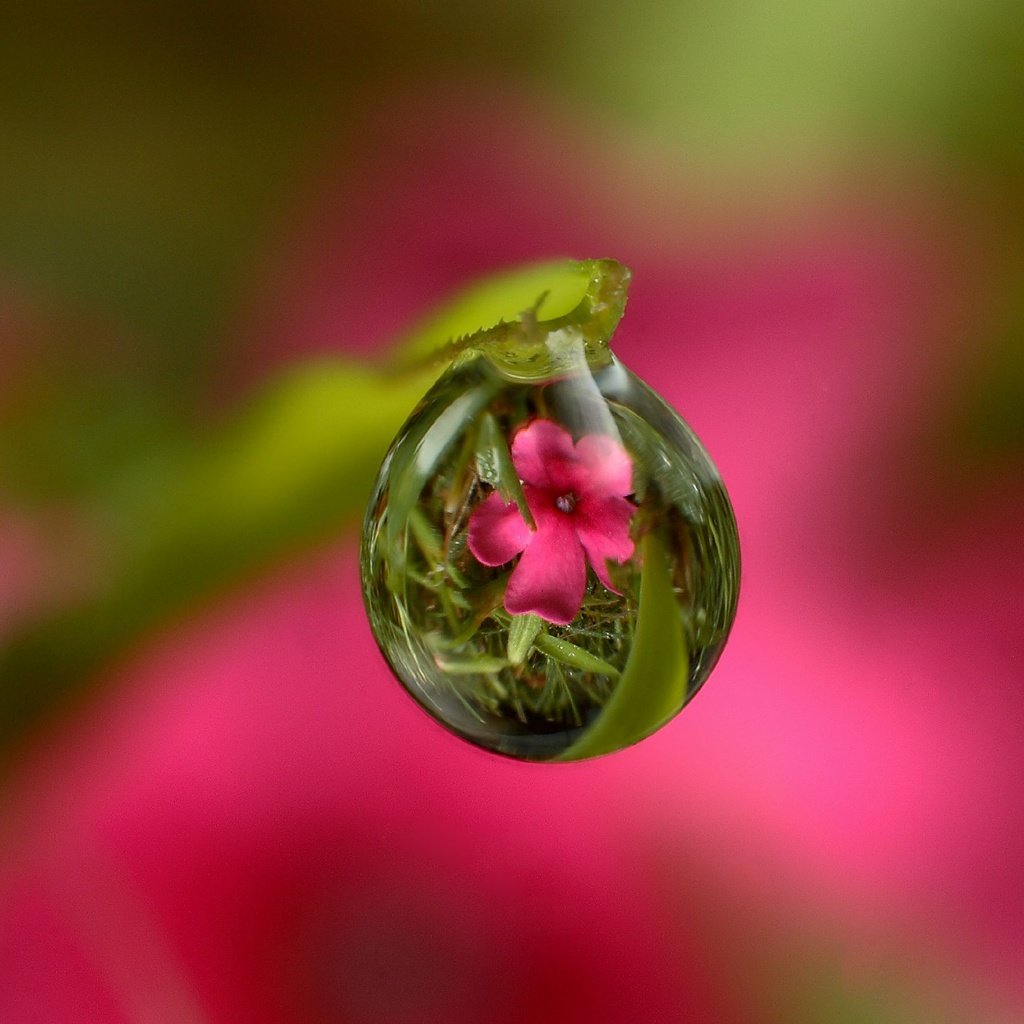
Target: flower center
[(565, 502)]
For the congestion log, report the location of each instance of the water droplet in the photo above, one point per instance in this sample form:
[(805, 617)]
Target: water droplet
[(550, 560)]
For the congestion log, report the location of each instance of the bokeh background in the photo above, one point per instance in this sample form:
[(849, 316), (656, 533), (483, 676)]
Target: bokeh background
[(215, 804)]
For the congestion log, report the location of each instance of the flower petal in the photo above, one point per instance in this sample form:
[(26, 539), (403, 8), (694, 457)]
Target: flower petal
[(603, 529), (497, 531), (551, 576), (543, 455), (608, 465)]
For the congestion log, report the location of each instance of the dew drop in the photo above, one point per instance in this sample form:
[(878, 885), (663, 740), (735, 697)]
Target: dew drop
[(550, 564)]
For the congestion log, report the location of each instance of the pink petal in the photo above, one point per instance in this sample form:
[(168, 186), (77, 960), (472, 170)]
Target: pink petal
[(608, 465), (551, 576), (603, 529), (543, 455), (497, 532)]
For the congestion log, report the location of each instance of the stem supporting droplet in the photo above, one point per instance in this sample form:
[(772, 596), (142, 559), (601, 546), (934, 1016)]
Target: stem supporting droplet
[(529, 349)]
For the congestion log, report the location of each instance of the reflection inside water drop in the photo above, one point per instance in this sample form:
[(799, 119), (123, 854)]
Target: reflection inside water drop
[(550, 567)]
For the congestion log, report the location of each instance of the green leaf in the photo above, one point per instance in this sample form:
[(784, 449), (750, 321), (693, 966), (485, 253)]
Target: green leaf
[(504, 297), (655, 680), (483, 664), (574, 657), (413, 467), (428, 539), (521, 634), (494, 465), (292, 468)]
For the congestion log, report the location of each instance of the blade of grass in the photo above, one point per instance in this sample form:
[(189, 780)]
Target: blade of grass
[(574, 657), (494, 466), (521, 636)]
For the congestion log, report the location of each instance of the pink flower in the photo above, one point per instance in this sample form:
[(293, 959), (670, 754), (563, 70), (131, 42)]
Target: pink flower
[(577, 496)]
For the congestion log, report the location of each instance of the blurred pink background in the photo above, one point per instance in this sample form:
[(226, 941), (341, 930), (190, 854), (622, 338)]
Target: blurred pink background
[(251, 822)]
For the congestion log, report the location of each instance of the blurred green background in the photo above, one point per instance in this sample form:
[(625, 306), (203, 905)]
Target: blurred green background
[(149, 147)]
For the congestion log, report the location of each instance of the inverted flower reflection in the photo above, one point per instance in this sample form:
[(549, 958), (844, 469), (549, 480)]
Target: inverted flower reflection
[(576, 494)]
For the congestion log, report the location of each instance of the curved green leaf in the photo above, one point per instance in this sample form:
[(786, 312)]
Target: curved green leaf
[(654, 682)]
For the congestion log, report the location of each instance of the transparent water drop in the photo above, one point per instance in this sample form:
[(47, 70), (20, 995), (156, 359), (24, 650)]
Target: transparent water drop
[(550, 560)]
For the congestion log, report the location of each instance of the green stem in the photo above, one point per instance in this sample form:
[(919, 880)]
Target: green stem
[(529, 348)]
